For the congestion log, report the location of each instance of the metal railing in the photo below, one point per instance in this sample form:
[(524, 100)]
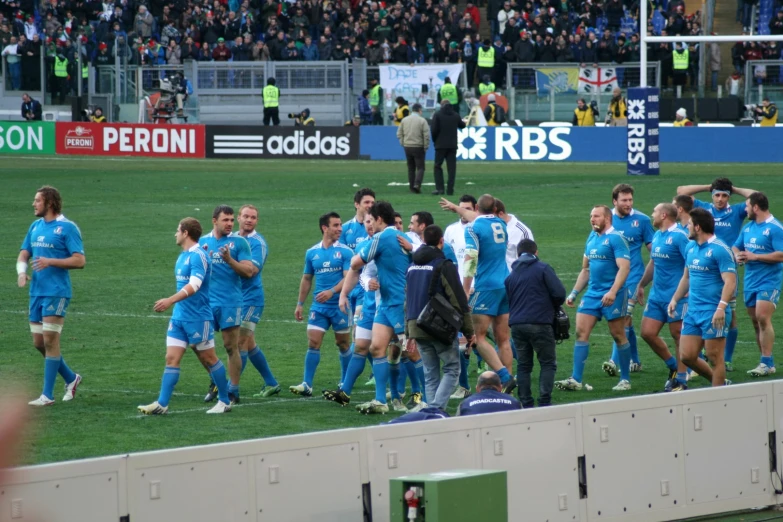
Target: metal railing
[(548, 91), (763, 78)]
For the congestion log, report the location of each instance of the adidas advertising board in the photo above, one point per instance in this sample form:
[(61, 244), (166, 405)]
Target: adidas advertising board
[(643, 132), (225, 141)]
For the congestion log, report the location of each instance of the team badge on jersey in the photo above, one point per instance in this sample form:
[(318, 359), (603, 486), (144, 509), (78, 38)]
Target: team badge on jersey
[(58, 230), (766, 232), (668, 242), (338, 255), (635, 223), (709, 253)]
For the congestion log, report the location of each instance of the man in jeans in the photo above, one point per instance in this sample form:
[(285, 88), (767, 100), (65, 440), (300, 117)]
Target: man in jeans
[(534, 293), (427, 261)]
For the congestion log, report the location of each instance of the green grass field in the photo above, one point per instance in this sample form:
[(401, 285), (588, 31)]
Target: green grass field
[(128, 211)]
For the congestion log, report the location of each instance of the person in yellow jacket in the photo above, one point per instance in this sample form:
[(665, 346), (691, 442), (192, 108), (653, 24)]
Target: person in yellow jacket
[(494, 113), (584, 114), (271, 94), (485, 59), (681, 118), (768, 113), (401, 111), (448, 91), (617, 115), (486, 86)]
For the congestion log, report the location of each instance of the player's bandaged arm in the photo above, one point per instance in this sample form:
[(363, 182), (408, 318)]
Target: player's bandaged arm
[(21, 262), (623, 269), (194, 283), (469, 266)]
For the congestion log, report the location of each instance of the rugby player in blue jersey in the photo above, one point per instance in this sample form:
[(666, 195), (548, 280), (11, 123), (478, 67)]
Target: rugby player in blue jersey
[(191, 323), (728, 224), (684, 205), (637, 231), (709, 280), (667, 261), (326, 263), (232, 261), (54, 244), (760, 248), (392, 263), (605, 267), (253, 302)]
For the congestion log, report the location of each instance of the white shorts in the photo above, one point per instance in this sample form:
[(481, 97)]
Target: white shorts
[(363, 334)]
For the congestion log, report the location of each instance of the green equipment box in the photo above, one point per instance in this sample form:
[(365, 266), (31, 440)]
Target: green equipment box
[(450, 496)]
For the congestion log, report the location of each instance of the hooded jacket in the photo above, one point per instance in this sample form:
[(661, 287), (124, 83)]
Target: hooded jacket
[(534, 292), (450, 285)]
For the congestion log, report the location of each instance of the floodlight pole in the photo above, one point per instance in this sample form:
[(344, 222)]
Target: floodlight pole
[(643, 43)]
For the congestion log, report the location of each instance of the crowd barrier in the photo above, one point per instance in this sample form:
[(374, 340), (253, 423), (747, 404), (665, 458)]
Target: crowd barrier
[(505, 143), (641, 459)]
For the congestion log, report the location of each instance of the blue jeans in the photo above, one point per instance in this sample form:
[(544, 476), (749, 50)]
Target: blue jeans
[(747, 14), (16, 75), (433, 353), (714, 80)]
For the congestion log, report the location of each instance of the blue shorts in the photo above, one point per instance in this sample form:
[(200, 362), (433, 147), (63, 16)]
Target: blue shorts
[(200, 334), (365, 318), (592, 306), (766, 294), (700, 325), (658, 311), (489, 302), (391, 316), (324, 318), (224, 317), (41, 307), (250, 316)]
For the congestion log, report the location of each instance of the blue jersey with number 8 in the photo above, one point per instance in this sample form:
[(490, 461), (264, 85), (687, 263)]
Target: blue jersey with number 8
[(487, 235)]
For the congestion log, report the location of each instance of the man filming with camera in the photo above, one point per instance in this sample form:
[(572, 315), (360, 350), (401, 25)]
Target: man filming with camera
[(302, 119), (585, 115), (767, 113), (534, 296)]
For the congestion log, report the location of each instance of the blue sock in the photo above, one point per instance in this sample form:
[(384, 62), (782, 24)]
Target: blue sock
[(682, 378), (581, 351), (258, 360), (410, 370), (630, 333), (312, 358), (625, 361), (355, 369), (731, 342), (419, 367), (615, 355), (65, 372), (504, 375), (243, 356), (233, 389), (394, 378), (380, 368), (218, 373), (345, 359), (170, 378), (51, 365), (464, 368), (671, 363), (768, 361)]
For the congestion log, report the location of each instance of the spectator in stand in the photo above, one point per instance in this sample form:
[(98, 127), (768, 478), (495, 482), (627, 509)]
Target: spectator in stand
[(715, 64), (261, 52), (143, 23), (13, 60), (221, 53), (173, 53), (776, 24), (310, 51), (365, 112)]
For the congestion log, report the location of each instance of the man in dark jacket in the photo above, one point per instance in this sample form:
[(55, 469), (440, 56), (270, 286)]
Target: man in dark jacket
[(534, 293), (427, 261), (489, 397), (31, 109), (445, 124)]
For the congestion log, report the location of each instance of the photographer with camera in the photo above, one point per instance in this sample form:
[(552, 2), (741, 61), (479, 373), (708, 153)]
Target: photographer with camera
[(585, 115), (617, 115), (302, 119), (31, 108), (97, 116), (767, 113), (535, 295)]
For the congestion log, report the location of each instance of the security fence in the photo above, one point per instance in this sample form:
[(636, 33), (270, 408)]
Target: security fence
[(763, 78)]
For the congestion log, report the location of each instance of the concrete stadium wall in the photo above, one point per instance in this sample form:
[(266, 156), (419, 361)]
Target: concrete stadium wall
[(677, 145), (648, 458)]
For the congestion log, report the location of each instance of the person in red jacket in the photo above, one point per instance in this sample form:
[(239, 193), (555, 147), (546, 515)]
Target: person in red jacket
[(474, 13)]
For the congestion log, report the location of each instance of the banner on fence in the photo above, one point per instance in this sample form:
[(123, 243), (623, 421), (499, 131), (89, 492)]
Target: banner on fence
[(34, 137), (597, 80), (126, 139), (559, 81), (225, 141), (410, 81)]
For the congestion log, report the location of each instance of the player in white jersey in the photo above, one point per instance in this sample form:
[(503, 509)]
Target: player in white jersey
[(517, 231), (454, 234), (54, 244)]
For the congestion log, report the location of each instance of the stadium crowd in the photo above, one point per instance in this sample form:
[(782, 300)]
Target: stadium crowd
[(172, 32)]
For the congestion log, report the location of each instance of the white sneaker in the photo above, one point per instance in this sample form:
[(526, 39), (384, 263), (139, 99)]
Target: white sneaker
[(388, 395), (43, 400), (609, 368), (70, 389), (301, 389), (569, 384), (691, 375), (373, 407), (220, 407), (397, 405), (153, 409), (461, 393), (418, 407), (623, 385), (762, 370)]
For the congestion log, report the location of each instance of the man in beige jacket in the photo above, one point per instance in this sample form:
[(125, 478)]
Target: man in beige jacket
[(414, 136)]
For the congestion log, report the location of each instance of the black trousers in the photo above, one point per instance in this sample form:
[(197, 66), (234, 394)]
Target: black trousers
[(538, 339), (450, 156), (415, 158), (272, 114)]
